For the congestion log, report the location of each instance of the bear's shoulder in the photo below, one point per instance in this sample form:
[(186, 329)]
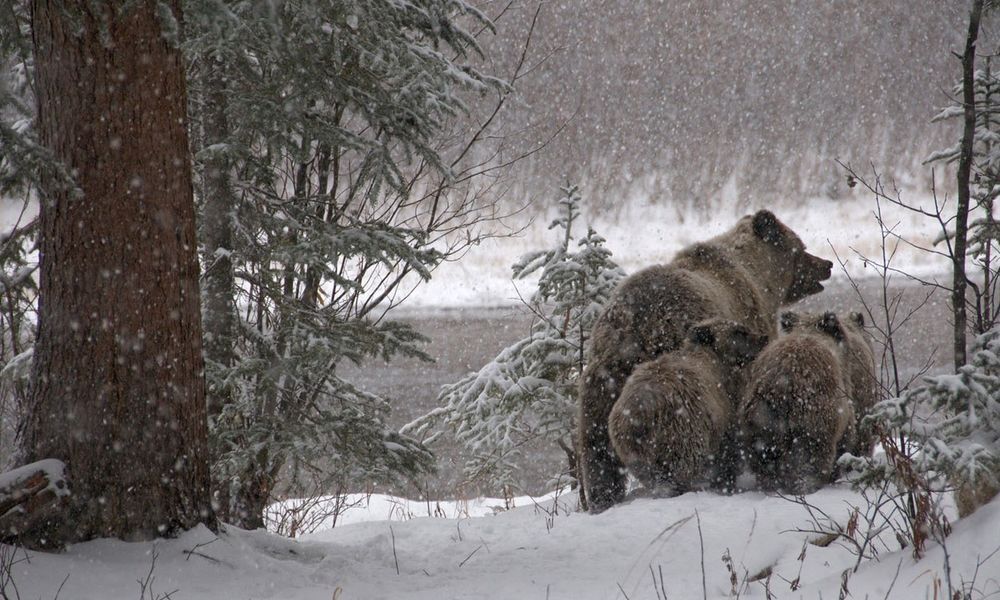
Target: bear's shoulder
[(706, 254)]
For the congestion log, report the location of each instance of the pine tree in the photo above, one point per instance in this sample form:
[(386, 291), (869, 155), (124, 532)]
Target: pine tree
[(325, 192), (339, 150), (973, 232), (954, 421), (983, 228), (528, 391), (964, 438), (22, 161)]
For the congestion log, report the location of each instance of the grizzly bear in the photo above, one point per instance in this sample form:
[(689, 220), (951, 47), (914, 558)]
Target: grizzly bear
[(862, 376), (804, 399), (742, 275), (970, 495), (670, 421)]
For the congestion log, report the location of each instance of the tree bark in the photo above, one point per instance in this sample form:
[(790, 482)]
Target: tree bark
[(118, 385), (959, 280), (219, 289), (219, 308)]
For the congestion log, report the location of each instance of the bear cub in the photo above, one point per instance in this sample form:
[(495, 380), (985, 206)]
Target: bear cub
[(674, 414), (804, 399)]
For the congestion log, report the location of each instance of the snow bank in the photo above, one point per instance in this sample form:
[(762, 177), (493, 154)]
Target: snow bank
[(362, 508), (643, 233), (534, 551)]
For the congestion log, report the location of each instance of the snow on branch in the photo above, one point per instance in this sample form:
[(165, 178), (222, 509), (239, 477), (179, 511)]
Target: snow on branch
[(27, 490), (528, 392)]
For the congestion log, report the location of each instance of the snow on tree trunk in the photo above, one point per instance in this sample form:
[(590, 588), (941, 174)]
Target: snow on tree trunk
[(118, 384)]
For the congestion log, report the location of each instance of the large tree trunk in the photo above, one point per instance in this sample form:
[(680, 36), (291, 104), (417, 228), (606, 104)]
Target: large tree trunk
[(118, 384)]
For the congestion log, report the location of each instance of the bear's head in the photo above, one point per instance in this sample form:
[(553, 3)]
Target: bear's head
[(806, 271), (732, 342)]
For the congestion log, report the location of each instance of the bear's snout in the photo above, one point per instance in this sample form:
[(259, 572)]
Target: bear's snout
[(825, 267), (817, 268), (809, 273)]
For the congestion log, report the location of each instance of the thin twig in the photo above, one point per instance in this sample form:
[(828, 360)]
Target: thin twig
[(622, 590), (61, 585), (202, 545), (652, 574), (657, 542), (395, 558), (471, 554), (894, 577), (701, 542)]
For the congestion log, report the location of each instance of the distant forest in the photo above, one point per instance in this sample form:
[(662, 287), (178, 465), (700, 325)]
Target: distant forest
[(671, 99)]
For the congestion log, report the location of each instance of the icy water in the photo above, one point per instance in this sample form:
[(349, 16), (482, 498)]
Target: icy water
[(463, 340)]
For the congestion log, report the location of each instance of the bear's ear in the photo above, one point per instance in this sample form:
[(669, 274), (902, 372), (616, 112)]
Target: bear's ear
[(788, 320), (702, 335), (830, 325), (858, 319), (767, 227), (746, 345)]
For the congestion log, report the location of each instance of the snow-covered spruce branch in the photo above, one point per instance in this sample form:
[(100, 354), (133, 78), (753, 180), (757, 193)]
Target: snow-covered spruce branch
[(528, 392), (343, 152)]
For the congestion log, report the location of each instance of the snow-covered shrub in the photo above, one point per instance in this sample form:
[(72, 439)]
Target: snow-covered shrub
[(958, 428), (961, 437), (292, 415), (528, 392), (941, 434)]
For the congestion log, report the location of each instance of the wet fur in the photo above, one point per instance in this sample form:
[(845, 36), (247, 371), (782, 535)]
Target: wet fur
[(671, 422), (864, 389), (806, 394), (969, 496)]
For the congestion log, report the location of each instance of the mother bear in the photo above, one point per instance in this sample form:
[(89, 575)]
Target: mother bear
[(743, 275)]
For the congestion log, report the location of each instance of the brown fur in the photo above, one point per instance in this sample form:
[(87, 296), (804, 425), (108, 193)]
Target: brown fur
[(970, 496), (806, 393), (864, 390), (669, 424), (743, 275)]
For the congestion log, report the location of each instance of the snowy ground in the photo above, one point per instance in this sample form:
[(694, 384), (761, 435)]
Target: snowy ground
[(541, 549), (389, 548)]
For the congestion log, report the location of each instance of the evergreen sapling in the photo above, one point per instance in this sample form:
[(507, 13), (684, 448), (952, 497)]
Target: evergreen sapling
[(529, 391)]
